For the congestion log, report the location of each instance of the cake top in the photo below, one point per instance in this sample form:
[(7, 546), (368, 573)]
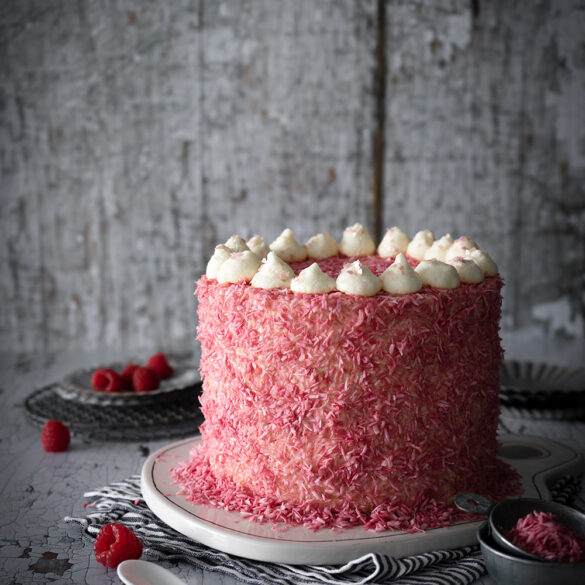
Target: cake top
[(444, 263)]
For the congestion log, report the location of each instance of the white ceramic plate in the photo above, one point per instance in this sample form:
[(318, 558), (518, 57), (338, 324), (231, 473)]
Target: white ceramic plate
[(540, 462)]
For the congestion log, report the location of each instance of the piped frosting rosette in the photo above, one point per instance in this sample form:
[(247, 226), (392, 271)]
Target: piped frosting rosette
[(403, 266)]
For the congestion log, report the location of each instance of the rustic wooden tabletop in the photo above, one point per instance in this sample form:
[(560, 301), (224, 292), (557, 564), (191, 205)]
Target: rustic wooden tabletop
[(38, 489)]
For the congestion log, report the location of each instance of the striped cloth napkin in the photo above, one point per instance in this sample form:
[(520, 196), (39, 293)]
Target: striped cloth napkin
[(122, 502)]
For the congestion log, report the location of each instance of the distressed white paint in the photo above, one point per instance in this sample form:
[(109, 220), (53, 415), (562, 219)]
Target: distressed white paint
[(559, 317)]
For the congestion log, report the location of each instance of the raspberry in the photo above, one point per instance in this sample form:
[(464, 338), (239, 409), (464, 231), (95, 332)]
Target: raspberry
[(126, 376), (55, 436), (99, 379), (116, 543), (158, 362), (145, 380), (106, 380)]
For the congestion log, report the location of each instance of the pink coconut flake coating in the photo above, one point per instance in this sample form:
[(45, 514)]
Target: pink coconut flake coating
[(539, 533), (336, 410)]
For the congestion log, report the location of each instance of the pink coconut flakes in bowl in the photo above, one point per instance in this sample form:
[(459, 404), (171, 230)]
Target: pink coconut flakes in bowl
[(541, 534)]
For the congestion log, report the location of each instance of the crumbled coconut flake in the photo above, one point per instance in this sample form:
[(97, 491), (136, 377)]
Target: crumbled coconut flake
[(541, 534)]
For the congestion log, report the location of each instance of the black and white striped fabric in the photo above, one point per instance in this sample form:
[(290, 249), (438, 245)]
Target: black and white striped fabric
[(122, 502)]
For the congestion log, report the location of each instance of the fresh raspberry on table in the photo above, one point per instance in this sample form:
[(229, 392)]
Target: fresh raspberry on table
[(127, 374), (55, 436), (158, 362), (116, 543), (145, 380)]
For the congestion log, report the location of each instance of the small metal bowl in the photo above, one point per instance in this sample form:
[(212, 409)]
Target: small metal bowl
[(506, 569), (503, 517)]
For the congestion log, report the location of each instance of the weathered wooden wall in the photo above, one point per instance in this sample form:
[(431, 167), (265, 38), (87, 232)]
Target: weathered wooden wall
[(136, 135), (485, 136)]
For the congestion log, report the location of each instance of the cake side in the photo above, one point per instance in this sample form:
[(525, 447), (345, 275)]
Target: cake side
[(339, 410)]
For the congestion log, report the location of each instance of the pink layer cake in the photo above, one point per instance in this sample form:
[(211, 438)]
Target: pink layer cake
[(340, 410)]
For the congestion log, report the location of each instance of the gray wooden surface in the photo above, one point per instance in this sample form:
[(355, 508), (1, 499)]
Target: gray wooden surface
[(136, 136), (38, 489)]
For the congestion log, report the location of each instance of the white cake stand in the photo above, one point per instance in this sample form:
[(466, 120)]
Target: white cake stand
[(539, 461)]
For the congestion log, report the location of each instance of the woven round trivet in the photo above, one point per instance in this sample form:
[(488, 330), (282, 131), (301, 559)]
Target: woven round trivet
[(172, 418)]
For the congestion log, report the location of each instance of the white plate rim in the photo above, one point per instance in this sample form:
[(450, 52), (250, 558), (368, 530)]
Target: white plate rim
[(260, 542)]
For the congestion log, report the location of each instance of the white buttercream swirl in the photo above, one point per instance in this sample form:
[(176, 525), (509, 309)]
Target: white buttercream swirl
[(356, 241), (467, 270), (321, 246), (484, 261), (258, 245), (239, 267), (236, 244), (400, 278), (437, 274), (393, 243), (421, 242), (438, 249), (312, 280), (460, 247), (357, 279), (274, 273), (288, 248), (220, 255)]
